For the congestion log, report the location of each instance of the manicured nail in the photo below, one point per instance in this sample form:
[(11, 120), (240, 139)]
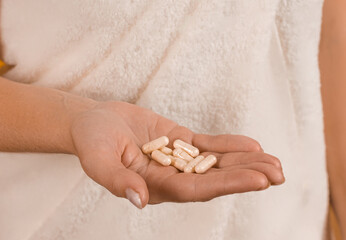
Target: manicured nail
[(133, 197)]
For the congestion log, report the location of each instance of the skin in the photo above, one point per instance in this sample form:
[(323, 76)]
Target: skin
[(107, 136), (45, 120), (333, 77)]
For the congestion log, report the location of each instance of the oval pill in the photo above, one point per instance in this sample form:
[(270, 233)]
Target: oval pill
[(172, 159), (190, 167), (191, 150), (166, 150), (161, 158), (206, 164), (155, 144), (179, 163), (180, 153)]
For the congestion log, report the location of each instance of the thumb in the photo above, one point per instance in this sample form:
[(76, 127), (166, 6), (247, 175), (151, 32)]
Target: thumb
[(105, 166), (126, 183)]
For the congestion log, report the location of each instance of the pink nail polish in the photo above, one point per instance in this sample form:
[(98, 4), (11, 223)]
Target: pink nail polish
[(133, 197)]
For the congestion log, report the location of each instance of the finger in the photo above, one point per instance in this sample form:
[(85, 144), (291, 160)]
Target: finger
[(186, 187), (273, 174), (219, 143), (239, 158), (225, 143), (106, 168), (180, 132)]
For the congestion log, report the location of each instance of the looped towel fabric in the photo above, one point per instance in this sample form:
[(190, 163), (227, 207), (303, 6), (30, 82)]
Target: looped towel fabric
[(216, 66)]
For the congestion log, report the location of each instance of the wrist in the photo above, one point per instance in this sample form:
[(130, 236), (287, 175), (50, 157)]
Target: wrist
[(75, 107)]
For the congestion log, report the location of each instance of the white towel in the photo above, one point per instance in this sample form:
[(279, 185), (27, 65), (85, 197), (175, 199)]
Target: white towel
[(215, 66)]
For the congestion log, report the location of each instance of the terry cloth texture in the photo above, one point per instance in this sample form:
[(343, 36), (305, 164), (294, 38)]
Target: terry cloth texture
[(216, 66)]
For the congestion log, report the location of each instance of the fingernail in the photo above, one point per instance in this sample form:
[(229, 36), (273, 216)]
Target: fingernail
[(133, 197)]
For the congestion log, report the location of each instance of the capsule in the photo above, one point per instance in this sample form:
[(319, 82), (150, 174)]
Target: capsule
[(180, 153), (190, 167), (161, 158), (155, 144), (179, 163), (206, 164), (166, 150), (172, 159), (193, 151)]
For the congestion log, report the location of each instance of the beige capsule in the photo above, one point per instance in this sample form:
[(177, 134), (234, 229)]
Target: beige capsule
[(179, 163), (172, 159), (166, 150), (193, 151), (155, 144), (180, 153), (161, 158), (190, 167), (205, 164)]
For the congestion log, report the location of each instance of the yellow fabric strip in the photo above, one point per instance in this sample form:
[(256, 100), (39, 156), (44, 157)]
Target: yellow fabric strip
[(2, 64), (3, 67)]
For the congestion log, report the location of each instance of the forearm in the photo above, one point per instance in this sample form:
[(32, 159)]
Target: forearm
[(37, 119), (333, 76)]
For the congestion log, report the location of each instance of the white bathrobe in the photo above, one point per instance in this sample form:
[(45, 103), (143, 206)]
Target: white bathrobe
[(216, 66)]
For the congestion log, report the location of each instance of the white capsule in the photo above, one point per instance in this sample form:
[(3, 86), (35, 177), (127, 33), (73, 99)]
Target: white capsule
[(166, 150), (172, 159), (179, 163), (180, 153), (160, 157), (205, 164), (155, 144), (190, 167), (193, 151)]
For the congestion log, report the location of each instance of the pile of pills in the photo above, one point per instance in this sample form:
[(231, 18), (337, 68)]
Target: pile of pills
[(184, 156)]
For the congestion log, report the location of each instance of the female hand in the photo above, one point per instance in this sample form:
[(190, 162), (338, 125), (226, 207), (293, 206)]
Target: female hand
[(108, 138)]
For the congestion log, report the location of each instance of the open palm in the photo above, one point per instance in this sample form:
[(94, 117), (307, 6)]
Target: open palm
[(108, 138)]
